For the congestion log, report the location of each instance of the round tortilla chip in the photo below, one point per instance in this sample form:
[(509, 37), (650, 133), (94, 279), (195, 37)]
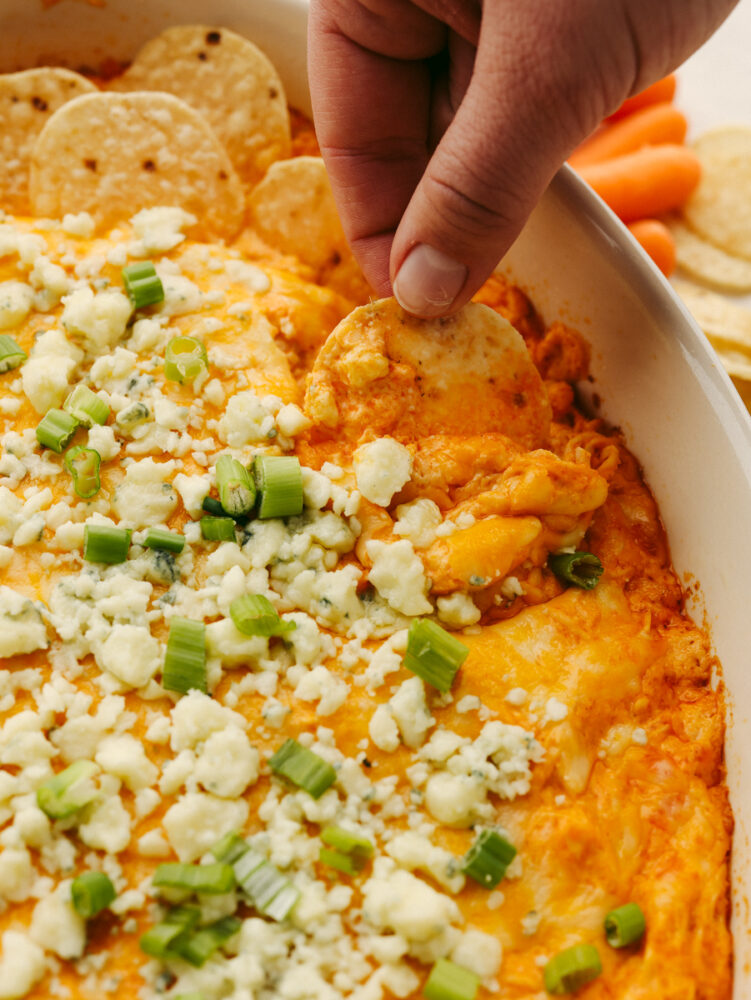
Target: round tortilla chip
[(27, 100), (293, 210), (383, 371), (720, 207), (719, 318), (705, 262), (113, 154), (227, 79)]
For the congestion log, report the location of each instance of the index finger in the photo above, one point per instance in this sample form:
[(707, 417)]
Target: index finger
[(372, 113)]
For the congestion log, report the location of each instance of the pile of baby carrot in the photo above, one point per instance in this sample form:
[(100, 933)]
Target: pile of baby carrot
[(637, 163)]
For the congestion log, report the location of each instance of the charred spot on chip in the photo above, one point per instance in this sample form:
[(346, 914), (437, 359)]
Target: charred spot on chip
[(90, 165), (213, 37), (149, 166), (223, 175), (519, 399), (202, 56), (273, 93), (39, 103)]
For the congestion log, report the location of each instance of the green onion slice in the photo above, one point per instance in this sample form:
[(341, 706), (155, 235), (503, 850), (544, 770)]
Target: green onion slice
[(142, 284), (198, 946), (303, 768), (86, 406), (254, 614), (580, 568), (433, 653), (213, 878), (571, 969), (212, 506), (185, 359), (91, 893), (55, 429), (279, 481), (83, 465), (488, 858), (160, 538), (230, 848), (357, 850), (179, 920), (218, 529), (449, 981), (237, 490), (11, 353), (185, 659), (68, 791), (625, 925), (341, 862), (103, 543), (270, 892)]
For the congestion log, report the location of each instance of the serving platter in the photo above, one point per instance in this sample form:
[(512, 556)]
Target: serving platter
[(654, 375)]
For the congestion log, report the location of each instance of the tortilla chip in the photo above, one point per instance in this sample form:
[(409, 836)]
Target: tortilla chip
[(720, 207), (382, 371), (707, 263), (114, 154), (293, 210), (718, 317), (27, 100), (227, 79)]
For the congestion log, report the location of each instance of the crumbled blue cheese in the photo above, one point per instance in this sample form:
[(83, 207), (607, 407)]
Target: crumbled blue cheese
[(458, 610), (479, 952), (22, 965), (382, 467), (100, 319), (159, 230), (410, 711), (46, 374), (124, 757), (399, 577), (131, 654), (107, 826), (227, 764), (245, 421), (322, 686), (555, 711), (413, 851), (80, 224), (21, 627), (16, 298), (198, 820), (399, 901), (145, 498), (55, 925)]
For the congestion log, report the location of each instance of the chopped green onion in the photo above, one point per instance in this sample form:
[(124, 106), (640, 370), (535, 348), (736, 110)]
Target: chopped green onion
[(218, 529), (341, 862), (11, 353), (68, 791), (279, 481), (91, 893), (194, 995), (625, 925), (198, 946), (571, 969), (449, 981), (83, 465), (230, 848), (185, 359), (214, 878), (237, 490), (86, 406), (55, 429), (488, 858), (303, 768), (179, 920), (254, 614), (581, 568), (212, 506), (104, 543), (433, 653), (185, 659), (142, 284), (160, 538), (348, 847), (271, 893)]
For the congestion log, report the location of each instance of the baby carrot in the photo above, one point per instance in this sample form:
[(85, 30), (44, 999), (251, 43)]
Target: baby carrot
[(651, 181), (648, 127), (661, 90), (657, 240)]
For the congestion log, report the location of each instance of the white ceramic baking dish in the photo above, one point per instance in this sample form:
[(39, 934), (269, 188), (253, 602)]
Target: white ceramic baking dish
[(653, 371)]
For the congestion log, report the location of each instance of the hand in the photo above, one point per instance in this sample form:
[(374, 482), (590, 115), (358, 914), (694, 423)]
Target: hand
[(443, 121)]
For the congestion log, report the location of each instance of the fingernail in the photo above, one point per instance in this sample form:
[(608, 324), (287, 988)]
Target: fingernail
[(428, 281)]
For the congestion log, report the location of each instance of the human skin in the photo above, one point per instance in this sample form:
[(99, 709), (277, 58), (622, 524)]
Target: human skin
[(442, 121)]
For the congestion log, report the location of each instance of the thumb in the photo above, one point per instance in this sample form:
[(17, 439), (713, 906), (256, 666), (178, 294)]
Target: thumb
[(516, 124)]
